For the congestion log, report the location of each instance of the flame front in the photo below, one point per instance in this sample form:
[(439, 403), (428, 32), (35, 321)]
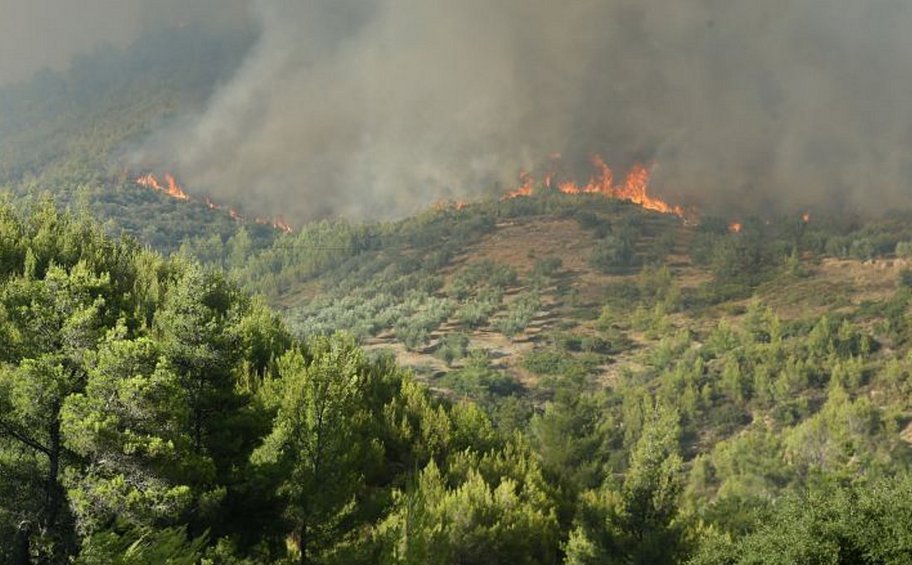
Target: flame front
[(279, 223), (149, 181), (635, 188), (735, 227), (171, 188), (527, 183), (443, 205)]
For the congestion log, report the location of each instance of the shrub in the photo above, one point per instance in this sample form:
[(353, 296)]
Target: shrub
[(547, 267), (613, 254), (519, 314), (905, 278), (453, 346)]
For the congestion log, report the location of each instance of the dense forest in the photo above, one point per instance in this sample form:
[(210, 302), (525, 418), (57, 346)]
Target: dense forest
[(547, 379), (152, 410)]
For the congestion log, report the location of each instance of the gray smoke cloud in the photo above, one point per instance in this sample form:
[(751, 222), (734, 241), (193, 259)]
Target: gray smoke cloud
[(372, 108), (48, 34)]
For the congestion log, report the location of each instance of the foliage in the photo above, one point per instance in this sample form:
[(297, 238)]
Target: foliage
[(142, 547), (509, 519), (863, 524), (637, 522), (713, 409)]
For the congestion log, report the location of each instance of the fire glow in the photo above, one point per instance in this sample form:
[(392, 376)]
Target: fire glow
[(634, 189), (443, 205), (172, 189)]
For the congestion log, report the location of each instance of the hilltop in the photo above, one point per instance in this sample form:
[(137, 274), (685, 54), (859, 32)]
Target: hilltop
[(512, 275)]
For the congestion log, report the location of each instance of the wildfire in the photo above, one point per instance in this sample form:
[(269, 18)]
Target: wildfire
[(171, 188), (806, 217), (450, 205), (635, 188), (735, 227), (527, 183), (279, 223)]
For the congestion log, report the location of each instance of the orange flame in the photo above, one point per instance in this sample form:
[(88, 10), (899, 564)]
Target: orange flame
[(443, 205), (149, 181), (174, 190), (525, 188), (806, 217), (279, 223), (171, 188), (735, 227), (635, 188)]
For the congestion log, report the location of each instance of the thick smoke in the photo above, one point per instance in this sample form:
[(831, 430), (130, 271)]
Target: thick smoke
[(377, 107), (39, 34)]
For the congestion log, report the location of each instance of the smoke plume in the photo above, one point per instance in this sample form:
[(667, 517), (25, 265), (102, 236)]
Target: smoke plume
[(378, 107), (48, 34)]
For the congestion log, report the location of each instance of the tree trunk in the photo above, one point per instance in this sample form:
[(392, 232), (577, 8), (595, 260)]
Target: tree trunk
[(302, 543), (22, 545), (53, 492)]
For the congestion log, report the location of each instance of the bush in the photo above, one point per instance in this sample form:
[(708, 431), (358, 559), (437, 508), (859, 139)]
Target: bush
[(546, 362), (547, 267), (613, 254), (453, 346), (475, 313), (481, 383), (519, 314), (903, 249), (486, 274), (553, 362), (862, 249), (595, 344), (905, 278)]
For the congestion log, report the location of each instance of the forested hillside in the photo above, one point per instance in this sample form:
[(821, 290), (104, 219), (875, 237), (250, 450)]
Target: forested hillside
[(151, 409), (548, 378), (70, 132)]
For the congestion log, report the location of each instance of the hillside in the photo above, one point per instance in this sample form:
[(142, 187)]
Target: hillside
[(542, 378), (513, 276), (507, 302), (69, 133)]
